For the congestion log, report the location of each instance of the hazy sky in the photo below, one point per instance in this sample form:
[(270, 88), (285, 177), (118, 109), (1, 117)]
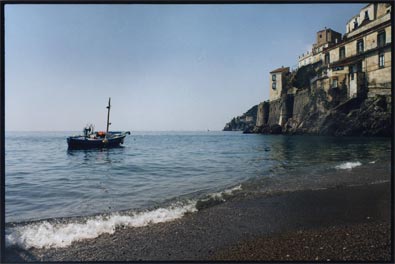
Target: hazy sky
[(166, 67)]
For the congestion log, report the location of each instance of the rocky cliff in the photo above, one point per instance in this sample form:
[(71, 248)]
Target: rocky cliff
[(354, 117), (312, 109)]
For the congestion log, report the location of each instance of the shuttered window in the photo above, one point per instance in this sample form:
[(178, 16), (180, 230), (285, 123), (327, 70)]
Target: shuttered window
[(381, 39), (359, 46)]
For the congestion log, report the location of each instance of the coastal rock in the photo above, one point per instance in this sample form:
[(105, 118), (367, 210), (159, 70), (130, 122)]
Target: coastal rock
[(355, 117), (290, 126), (245, 122), (310, 116), (276, 129), (311, 109), (371, 118), (248, 130), (263, 129)]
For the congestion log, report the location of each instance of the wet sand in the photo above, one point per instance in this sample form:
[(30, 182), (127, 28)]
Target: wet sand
[(350, 223)]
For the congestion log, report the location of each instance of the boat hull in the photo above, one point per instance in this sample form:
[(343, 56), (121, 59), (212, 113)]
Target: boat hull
[(80, 142)]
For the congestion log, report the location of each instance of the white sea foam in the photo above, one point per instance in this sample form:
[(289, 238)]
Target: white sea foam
[(348, 165), (46, 235), (234, 189), (380, 181), (373, 162), (220, 195)]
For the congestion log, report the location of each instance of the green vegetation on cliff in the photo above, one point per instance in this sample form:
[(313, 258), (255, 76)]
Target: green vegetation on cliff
[(243, 122)]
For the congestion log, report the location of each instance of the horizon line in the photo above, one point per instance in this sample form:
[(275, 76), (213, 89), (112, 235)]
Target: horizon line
[(173, 130)]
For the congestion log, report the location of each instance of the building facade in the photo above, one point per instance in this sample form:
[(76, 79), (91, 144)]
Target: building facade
[(325, 38), (362, 60), (277, 80), (355, 65)]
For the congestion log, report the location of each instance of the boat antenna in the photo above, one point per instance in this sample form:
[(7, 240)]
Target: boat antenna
[(108, 115)]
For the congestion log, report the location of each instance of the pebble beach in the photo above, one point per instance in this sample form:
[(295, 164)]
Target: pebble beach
[(336, 224)]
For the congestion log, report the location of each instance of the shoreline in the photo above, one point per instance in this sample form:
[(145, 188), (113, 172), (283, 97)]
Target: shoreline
[(226, 230)]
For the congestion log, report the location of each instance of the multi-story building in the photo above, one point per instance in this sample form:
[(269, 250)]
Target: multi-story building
[(362, 60), (277, 79), (357, 64), (325, 38)]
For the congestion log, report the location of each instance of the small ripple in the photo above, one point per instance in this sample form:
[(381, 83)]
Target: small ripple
[(158, 166)]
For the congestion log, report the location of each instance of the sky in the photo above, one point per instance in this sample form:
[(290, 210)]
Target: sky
[(165, 67)]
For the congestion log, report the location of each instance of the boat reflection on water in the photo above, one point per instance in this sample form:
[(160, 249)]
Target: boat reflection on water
[(96, 156)]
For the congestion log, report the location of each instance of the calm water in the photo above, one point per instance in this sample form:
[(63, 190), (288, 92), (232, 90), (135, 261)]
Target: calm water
[(159, 176), (45, 180)]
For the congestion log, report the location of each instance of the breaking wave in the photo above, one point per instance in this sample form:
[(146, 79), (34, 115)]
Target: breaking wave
[(223, 194), (348, 165), (46, 234), (216, 198), (52, 234)]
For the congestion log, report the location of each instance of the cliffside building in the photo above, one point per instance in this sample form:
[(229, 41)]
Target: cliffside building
[(325, 38), (357, 64), (359, 61), (362, 61), (277, 80)]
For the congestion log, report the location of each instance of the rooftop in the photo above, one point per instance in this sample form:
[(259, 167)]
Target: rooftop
[(282, 69)]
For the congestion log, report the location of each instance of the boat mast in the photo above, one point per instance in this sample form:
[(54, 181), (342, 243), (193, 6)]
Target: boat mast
[(108, 115)]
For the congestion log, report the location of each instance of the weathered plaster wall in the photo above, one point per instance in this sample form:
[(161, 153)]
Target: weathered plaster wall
[(377, 84), (334, 55), (380, 19), (276, 93), (351, 48), (378, 79), (307, 59), (388, 34)]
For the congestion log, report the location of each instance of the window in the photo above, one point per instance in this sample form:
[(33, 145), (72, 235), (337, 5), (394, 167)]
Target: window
[(352, 70), (366, 15), (355, 23), (274, 85), (334, 83), (358, 66), (381, 39), (273, 77), (381, 60), (327, 58), (359, 46), (342, 52)]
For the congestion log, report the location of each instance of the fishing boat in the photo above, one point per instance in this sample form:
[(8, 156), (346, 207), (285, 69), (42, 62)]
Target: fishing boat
[(100, 139)]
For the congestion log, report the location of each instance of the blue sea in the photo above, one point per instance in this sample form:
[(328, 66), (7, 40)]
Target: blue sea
[(55, 196)]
